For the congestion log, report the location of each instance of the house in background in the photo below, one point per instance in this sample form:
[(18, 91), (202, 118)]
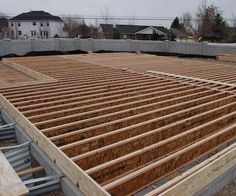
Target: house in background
[(3, 27), (36, 24), (138, 32)]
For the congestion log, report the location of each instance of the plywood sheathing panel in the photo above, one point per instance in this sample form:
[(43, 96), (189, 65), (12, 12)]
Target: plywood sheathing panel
[(10, 76), (210, 70), (10, 180), (111, 127)]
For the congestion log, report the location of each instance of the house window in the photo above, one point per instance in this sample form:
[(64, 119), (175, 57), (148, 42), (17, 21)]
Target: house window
[(44, 34), (12, 24), (19, 33), (19, 24), (33, 33), (48, 24), (34, 23), (41, 24)]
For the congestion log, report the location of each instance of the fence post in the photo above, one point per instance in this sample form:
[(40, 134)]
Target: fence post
[(77, 44), (91, 44), (128, 45), (205, 48), (167, 46), (7, 46), (32, 44), (56, 44)]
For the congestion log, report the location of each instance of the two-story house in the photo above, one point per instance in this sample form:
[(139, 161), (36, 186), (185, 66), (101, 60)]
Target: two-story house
[(36, 24)]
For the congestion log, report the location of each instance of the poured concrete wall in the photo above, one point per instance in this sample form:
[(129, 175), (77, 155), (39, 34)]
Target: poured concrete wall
[(22, 47)]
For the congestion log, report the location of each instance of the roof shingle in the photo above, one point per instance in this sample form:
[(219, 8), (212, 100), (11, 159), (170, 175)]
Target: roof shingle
[(129, 29), (37, 15)]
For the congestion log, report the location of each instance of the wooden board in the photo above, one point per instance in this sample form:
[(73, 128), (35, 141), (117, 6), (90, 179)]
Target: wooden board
[(161, 189), (36, 75), (8, 176), (199, 180), (70, 169), (192, 78), (227, 58), (102, 125), (10, 76), (204, 69)]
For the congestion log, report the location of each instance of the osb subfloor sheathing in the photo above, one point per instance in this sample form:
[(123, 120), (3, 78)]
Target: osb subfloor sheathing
[(9, 76), (122, 129)]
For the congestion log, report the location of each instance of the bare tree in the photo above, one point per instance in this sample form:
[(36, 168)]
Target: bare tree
[(84, 30), (72, 26), (77, 27), (232, 30), (233, 21), (4, 29), (210, 23), (132, 20), (188, 23), (106, 16)]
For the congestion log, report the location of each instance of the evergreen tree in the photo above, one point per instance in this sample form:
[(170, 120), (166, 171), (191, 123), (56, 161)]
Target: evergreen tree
[(177, 25), (219, 25)]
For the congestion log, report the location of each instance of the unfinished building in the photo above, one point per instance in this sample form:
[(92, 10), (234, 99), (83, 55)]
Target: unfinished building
[(114, 130)]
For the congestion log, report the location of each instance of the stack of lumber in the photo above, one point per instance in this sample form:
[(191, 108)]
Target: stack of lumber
[(227, 58)]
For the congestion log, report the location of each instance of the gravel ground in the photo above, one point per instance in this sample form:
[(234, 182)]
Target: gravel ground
[(54, 193), (230, 190), (7, 144)]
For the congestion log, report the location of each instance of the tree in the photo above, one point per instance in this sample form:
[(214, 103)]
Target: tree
[(188, 23), (4, 30), (132, 20), (71, 26), (156, 36), (219, 25), (76, 27), (106, 16), (177, 25), (84, 30), (117, 34), (210, 22), (232, 33)]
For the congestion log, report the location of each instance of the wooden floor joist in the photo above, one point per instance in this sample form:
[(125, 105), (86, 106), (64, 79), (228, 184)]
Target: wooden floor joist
[(199, 176), (116, 131)]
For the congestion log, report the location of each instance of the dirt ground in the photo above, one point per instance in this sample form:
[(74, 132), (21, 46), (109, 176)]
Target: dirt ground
[(230, 190)]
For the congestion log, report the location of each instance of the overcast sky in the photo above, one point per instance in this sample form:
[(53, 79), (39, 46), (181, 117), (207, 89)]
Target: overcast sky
[(149, 8)]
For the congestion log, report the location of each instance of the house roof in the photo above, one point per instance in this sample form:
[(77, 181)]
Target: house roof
[(130, 29), (36, 15), (150, 30)]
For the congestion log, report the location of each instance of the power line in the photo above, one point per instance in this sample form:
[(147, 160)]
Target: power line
[(136, 18)]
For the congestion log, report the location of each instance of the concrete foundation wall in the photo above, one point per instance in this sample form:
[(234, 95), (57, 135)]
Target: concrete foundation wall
[(22, 47), (108, 45), (148, 46), (186, 48)]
